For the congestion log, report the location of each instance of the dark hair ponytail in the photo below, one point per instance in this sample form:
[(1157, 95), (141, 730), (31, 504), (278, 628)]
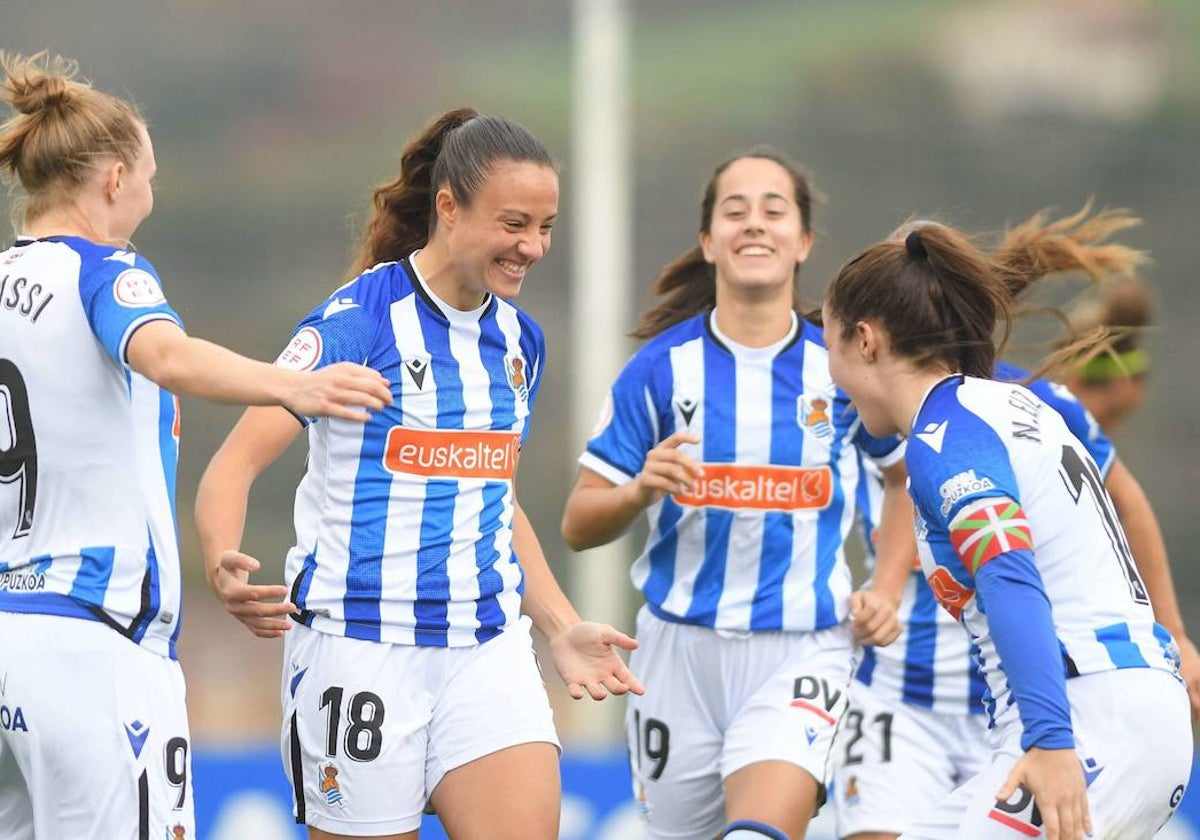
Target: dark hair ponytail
[(940, 298), (936, 294), (457, 150), (688, 286)]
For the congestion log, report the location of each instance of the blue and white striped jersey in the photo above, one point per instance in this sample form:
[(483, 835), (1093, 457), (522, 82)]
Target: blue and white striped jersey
[(88, 447), (758, 545), (929, 665), (994, 471), (404, 524)]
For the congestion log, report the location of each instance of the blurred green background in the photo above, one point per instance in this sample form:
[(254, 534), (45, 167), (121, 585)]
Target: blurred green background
[(272, 120)]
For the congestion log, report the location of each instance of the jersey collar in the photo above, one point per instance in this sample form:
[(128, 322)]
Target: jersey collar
[(447, 312)]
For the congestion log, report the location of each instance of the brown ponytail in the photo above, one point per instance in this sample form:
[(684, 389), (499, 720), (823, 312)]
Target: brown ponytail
[(1038, 247), (937, 295), (1027, 253), (456, 150)]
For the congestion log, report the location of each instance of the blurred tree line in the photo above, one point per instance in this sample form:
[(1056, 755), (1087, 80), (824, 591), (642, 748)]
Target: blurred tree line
[(272, 121)]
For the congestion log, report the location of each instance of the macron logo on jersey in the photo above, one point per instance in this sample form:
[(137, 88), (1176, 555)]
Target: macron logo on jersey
[(756, 487), (338, 305), (452, 453), (416, 368), (933, 435), (127, 257)]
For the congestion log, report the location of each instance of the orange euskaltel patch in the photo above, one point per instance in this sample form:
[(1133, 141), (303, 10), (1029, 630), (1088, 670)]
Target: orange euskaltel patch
[(453, 453), (761, 487)]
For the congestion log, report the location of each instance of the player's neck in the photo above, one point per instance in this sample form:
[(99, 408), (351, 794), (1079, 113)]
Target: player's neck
[(437, 270), (755, 321), (71, 220), (910, 387)]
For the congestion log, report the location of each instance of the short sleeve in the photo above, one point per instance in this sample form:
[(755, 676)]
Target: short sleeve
[(955, 461), (121, 293), (627, 427), (341, 329)]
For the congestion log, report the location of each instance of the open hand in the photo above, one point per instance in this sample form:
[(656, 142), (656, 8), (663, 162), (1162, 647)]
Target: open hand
[(585, 657)]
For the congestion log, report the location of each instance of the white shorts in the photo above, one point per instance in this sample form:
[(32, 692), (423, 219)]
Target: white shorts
[(370, 728), (717, 702), (1133, 735), (93, 734), (894, 761)]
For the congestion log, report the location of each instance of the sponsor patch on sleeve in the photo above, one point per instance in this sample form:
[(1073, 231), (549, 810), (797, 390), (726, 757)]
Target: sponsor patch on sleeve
[(138, 288), (303, 351), (960, 486), (987, 528)]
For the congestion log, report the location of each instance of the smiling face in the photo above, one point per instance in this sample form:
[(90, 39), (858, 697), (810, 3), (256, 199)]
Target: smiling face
[(756, 237), (495, 239), (854, 367)]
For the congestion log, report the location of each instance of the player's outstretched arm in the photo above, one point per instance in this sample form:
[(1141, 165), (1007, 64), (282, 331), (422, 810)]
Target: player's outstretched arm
[(258, 439), (1150, 554), (584, 652), (599, 511), (165, 354)]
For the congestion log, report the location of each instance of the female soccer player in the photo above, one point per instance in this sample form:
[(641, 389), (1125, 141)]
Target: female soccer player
[(96, 744), (1012, 523), (1112, 386), (409, 676), (915, 728), (727, 432)]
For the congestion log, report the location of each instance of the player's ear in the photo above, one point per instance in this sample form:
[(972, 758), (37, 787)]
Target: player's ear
[(113, 177), (446, 207), (806, 243), (867, 339)]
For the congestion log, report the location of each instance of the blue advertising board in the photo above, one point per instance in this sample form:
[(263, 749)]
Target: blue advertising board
[(243, 793)]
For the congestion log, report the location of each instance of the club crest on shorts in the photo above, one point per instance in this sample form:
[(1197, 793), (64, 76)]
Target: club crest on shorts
[(814, 413), (516, 371), (331, 788), (176, 832), (851, 795), (640, 797)]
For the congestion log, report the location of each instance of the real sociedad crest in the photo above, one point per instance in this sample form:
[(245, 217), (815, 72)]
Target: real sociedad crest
[(517, 373), (814, 413)]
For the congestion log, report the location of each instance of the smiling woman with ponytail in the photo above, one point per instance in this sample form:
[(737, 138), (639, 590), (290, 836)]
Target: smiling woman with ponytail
[(415, 574)]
